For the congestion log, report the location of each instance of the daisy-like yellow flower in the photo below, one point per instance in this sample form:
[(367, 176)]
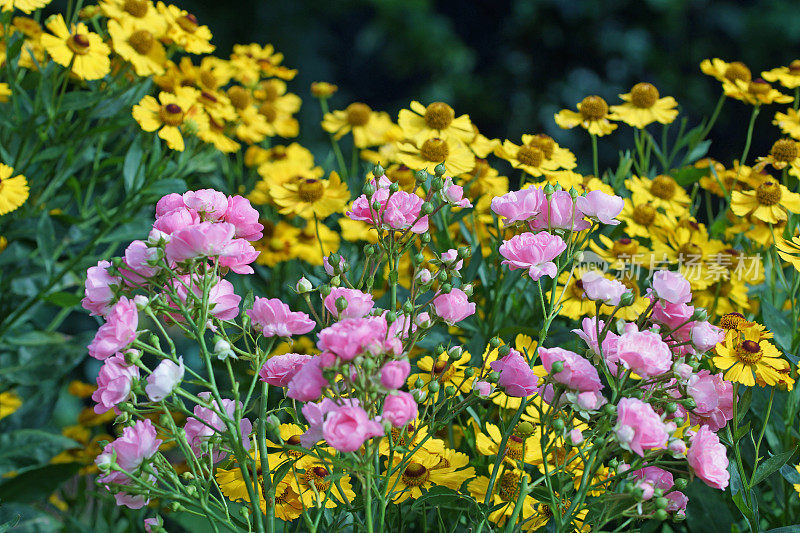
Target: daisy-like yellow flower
[(13, 191), (184, 30), (137, 46), (661, 192), (592, 115), (437, 120), (312, 479), (789, 250), (543, 512), (788, 122), (532, 157), (309, 197), (789, 76), (215, 134), (445, 371), (312, 248), (5, 92), (523, 444), (368, 127), (505, 494), (357, 230), (141, 14), (434, 464), (26, 6), (571, 297), (769, 202), (725, 295), (484, 180), (724, 71), (9, 403), (276, 174), (737, 178), (641, 218), (621, 254), (76, 48), (252, 61), (323, 89), (481, 145), (278, 243), (747, 358), (643, 106), (754, 92), (172, 114), (290, 434), (456, 156)]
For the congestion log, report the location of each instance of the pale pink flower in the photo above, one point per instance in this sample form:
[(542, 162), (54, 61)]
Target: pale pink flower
[(534, 252), (223, 302), (280, 369), (150, 524), (588, 332), (575, 436), (359, 304), (516, 376), (484, 388), (307, 382), (132, 501), (329, 268), (578, 373), (354, 336), (677, 503), (586, 402), (168, 203), (672, 315), (398, 211), (314, 414), (239, 254), (519, 206), (210, 204), (394, 373), (600, 206), (244, 217), (137, 444), (99, 289), (273, 318), (454, 194), (114, 383), (166, 376), (451, 259), (714, 398), (198, 433), (705, 335), (176, 220), (639, 428), (453, 307), (660, 478), (399, 409), (348, 427), (672, 287), (560, 213), (206, 239), (118, 332), (597, 287), (707, 458), (644, 352), (139, 263)]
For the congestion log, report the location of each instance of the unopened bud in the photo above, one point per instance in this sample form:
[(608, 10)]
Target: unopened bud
[(446, 288), (418, 384), (454, 353), (557, 367), (504, 350), (421, 175), (427, 208), (378, 171), (325, 290), (437, 184), (558, 425), (341, 303), (133, 356), (303, 286), (391, 316), (494, 342), (626, 299), (700, 314), (394, 187), (494, 376), (434, 387), (450, 390), (439, 169), (141, 302)]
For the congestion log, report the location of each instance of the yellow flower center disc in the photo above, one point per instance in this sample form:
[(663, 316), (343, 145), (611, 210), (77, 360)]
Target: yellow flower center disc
[(593, 108), (434, 150), (784, 151), (768, 193), (171, 114), (78, 43), (142, 41), (358, 114), (439, 115), (749, 352), (644, 95), (530, 155), (415, 475), (644, 214), (135, 8), (738, 71), (545, 143), (310, 190), (663, 187)]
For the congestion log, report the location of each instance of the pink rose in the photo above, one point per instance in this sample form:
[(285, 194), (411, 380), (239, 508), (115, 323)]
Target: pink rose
[(533, 252), (333, 270), (714, 398), (588, 332), (168, 203), (639, 427), (451, 259), (139, 260), (132, 501), (114, 383), (222, 301), (672, 315), (176, 220), (198, 433), (239, 254), (314, 414), (588, 401), (660, 478), (516, 375), (600, 206), (273, 318), (99, 289), (578, 373), (394, 373), (705, 336), (210, 204), (307, 382), (454, 194), (484, 388), (348, 427), (519, 206), (244, 217), (118, 332), (597, 287), (137, 444), (644, 352), (353, 336), (359, 304), (707, 458), (672, 287), (453, 307), (398, 211), (560, 213), (399, 409), (677, 503), (206, 239), (150, 524), (164, 379), (280, 369)]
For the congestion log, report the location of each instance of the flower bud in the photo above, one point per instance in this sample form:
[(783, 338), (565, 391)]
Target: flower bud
[(573, 193), (610, 409), (419, 395), (454, 353), (141, 302), (421, 175), (679, 421), (434, 387), (469, 371), (303, 286), (494, 376), (437, 184), (341, 303), (394, 187), (378, 170), (558, 425), (446, 288), (467, 289), (464, 252), (222, 349), (681, 483), (418, 384), (494, 342), (626, 299), (557, 367), (450, 390), (700, 314), (368, 189), (439, 169), (427, 208), (133, 356), (376, 206), (671, 407), (325, 290), (504, 350), (689, 403), (661, 514), (391, 316)]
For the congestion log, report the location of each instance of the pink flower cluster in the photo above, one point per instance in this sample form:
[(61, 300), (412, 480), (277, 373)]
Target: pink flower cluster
[(206, 422), (560, 212), (396, 211)]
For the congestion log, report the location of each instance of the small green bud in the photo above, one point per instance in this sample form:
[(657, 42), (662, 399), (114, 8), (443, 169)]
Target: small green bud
[(661, 515), (191, 490), (442, 276), (391, 316), (610, 409), (419, 258), (494, 342), (437, 184), (376, 206), (418, 383), (626, 299), (336, 281), (700, 314), (494, 376), (427, 208), (369, 189), (558, 425), (548, 190), (419, 395), (378, 171), (425, 238), (341, 303), (671, 407), (440, 349), (557, 367), (325, 290), (421, 175), (662, 502), (450, 390), (408, 307), (613, 463), (394, 187), (454, 353), (439, 169), (434, 387), (689, 403), (175, 507), (446, 288), (573, 193), (303, 286), (681, 483), (504, 350), (469, 372), (133, 356), (273, 423), (679, 421), (187, 476)]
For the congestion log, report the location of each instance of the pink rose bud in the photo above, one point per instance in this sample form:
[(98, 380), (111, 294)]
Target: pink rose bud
[(399, 409), (424, 276), (330, 269), (303, 286), (484, 388), (280, 369), (705, 336), (118, 332), (519, 206), (600, 206), (533, 252), (575, 437), (672, 287), (516, 375), (394, 373), (164, 379), (647, 489), (347, 428), (597, 287), (677, 447), (454, 194), (682, 370), (453, 307), (99, 289), (114, 383), (450, 258), (359, 304), (707, 458)]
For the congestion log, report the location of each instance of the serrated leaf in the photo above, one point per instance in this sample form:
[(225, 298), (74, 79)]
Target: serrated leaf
[(771, 465)]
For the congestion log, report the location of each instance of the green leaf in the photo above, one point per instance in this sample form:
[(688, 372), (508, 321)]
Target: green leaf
[(697, 152), (744, 403), (474, 263), (688, 175), (771, 465), (25, 448), (36, 338), (738, 499), (63, 299), (132, 169), (36, 484), (741, 432), (790, 474), (778, 323)]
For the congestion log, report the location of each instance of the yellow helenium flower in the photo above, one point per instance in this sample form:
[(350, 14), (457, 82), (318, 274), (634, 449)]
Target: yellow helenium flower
[(443, 370), (621, 254), (279, 119), (310, 197), (789, 76), (724, 71), (755, 92), (137, 46), (481, 145), (215, 134), (169, 114), (141, 14), (746, 358), (769, 202), (784, 153), (530, 157), (592, 115), (641, 218), (369, 127), (483, 180), (788, 122), (184, 30), (438, 466), (311, 248), (13, 191), (278, 243), (76, 48), (26, 6), (643, 106), (789, 250), (437, 120), (311, 479), (505, 494), (457, 158), (9, 403), (523, 444), (661, 192), (252, 61), (723, 296)]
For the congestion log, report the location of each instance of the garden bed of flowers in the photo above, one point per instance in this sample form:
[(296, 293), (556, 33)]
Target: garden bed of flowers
[(206, 326)]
